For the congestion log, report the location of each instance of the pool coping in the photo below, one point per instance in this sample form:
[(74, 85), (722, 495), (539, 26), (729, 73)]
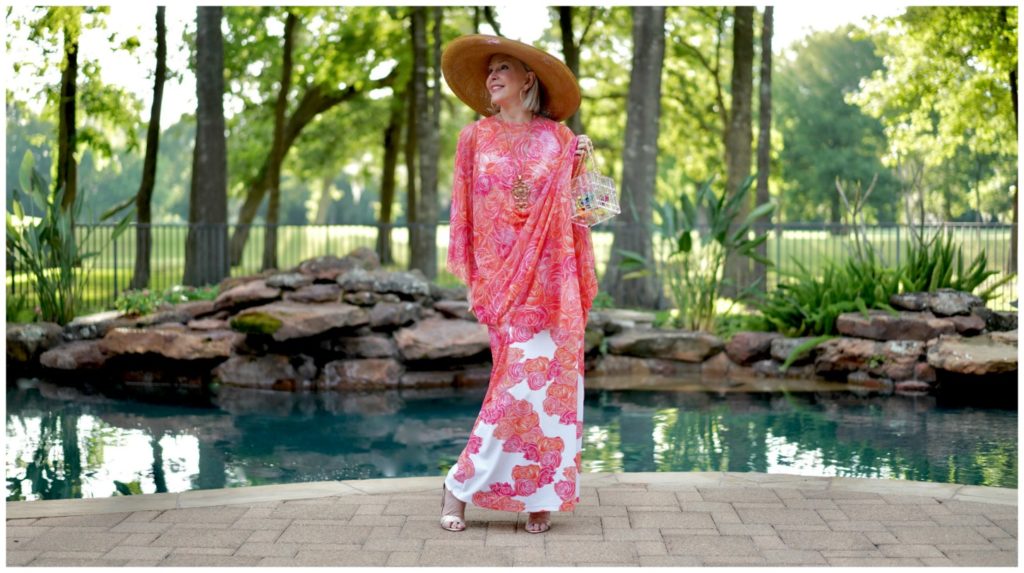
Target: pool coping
[(384, 486)]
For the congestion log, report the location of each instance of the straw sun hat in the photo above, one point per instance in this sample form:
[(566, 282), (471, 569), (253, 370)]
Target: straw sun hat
[(464, 64)]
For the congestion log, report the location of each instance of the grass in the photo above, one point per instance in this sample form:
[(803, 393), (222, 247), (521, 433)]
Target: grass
[(113, 268)]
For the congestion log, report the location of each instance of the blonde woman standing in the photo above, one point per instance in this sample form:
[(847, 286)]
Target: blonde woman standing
[(530, 277)]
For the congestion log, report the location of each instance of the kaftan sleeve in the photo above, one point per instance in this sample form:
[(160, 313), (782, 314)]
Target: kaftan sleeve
[(584, 247), (460, 241)]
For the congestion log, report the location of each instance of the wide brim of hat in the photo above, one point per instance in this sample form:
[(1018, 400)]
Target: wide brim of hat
[(464, 64)]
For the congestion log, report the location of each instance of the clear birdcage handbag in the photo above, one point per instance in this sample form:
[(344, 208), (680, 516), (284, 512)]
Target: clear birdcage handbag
[(593, 196)]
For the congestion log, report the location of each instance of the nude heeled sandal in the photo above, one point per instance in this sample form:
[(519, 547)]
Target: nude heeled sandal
[(447, 521), (546, 523)]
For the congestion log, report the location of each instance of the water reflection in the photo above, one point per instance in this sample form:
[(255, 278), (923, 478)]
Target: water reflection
[(64, 442)]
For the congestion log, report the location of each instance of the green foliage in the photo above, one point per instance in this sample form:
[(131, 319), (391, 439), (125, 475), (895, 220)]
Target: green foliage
[(807, 304), (945, 100), (46, 245), (824, 136), (603, 300), (727, 325), (695, 238), (801, 350), (934, 262), (145, 301)]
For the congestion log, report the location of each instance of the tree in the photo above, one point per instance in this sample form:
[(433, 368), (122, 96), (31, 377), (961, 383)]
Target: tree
[(277, 148), (392, 145), (764, 130), (346, 43), (950, 81), (206, 259), (571, 51), (423, 232), (639, 159), (143, 199), (824, 136), (738, 137), (67, 177)]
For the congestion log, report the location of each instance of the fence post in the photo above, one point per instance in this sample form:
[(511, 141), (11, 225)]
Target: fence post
[(115, 269), (897, 245)]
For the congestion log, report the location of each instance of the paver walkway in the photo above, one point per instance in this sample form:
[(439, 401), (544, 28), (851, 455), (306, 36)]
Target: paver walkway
[(659, 519)]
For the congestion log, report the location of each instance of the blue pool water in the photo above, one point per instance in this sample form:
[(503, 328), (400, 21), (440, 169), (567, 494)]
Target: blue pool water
[(65, 442)]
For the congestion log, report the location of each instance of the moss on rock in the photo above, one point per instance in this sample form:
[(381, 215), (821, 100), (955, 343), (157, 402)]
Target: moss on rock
[(256, 323)]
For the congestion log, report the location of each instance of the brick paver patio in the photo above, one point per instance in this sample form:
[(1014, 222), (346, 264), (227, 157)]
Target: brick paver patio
[(650, 519)]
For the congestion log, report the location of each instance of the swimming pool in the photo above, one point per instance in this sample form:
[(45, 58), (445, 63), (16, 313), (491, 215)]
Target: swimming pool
[(65, 442)]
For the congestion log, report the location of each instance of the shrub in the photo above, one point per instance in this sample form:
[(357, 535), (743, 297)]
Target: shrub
[(45, 245), (692, 268), (139, 302), (934, 263)]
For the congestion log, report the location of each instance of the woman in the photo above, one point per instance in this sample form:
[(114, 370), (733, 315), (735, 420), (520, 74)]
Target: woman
[(530, 278)]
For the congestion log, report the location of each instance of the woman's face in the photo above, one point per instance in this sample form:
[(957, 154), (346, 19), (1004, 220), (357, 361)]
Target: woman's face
[(506, 79)]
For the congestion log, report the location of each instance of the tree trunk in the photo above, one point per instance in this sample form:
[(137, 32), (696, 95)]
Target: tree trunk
[(423, 233), (764, 130), (277, 150), (639, 160), (392, 139), (572, 58), (206, 260), (739, 135), (67, 169), (410, 157), (143, 199), (1013, 98), (323, 206)]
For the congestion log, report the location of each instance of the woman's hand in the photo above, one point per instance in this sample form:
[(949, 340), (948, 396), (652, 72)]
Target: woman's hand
[(584, 145), (469, 299)]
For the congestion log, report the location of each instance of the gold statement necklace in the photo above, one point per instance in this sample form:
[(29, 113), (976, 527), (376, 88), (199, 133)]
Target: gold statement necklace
[(520, 186)]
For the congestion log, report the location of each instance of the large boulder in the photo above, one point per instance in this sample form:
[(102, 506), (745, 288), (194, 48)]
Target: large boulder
[(895, 359), (367, 298), (80, 354), (329, 267), (248, 294), (174, 344), (968, 325), (978, 355), (96, 325), (941, 302), (438, 338), (454, 309), (285, 320), (407, 285), (196, 308), (614, 365), (232, 282), (314, 293), (271, 371), (782, 348), (997, 321), (25, 342), (880, 325), (616, 320), (748, 347), (361, 372), (390, 315), (289, 281), (368, 346), (670, 344)]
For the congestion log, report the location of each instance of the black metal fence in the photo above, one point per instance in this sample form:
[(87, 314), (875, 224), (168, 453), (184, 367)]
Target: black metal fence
[(110, 272)]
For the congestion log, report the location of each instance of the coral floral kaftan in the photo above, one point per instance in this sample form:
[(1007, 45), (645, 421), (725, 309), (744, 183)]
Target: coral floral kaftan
[(532, 276)]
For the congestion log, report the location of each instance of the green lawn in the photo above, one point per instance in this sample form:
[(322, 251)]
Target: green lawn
[(111, 270)]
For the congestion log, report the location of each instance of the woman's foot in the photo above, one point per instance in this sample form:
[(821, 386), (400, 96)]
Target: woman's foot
[(538, 522), (453, 511)]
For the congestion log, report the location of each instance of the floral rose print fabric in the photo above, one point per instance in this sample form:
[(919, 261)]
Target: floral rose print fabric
[(533, 280)]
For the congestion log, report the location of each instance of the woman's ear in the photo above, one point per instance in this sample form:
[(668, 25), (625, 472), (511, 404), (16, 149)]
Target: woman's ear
[(530, 79)]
